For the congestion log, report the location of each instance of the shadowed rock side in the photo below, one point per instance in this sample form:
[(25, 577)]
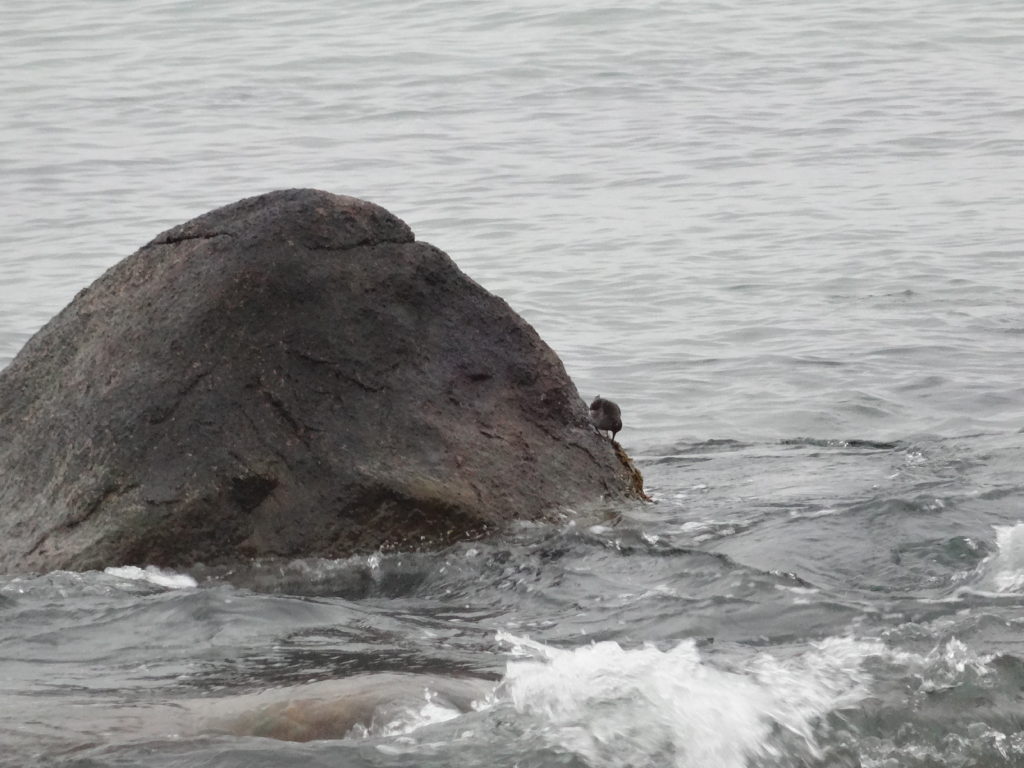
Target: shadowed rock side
[(289, 375)]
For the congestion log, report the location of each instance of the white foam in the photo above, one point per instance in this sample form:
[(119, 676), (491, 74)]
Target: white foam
[(802, 515), (153, 575), (1004, 570), (644, 706), (946, 665)]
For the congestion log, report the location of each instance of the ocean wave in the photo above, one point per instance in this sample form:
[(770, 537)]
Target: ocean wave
[(616, 706)]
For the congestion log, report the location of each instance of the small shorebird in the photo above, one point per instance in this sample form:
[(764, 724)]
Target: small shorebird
[(606, 416)]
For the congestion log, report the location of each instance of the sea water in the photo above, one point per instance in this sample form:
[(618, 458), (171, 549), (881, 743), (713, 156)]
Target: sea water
[(786, 238)]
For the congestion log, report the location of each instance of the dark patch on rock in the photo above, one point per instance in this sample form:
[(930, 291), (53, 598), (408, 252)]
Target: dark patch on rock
[(290, 375), (251, 491)]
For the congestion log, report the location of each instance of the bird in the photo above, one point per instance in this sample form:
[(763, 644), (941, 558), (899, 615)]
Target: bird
[(606, 416)]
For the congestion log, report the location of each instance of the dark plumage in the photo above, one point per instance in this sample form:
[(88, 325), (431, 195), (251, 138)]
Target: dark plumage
[(606, 416)]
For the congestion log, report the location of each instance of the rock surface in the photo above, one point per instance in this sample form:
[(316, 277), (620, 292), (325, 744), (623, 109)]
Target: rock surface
[(290, 375)]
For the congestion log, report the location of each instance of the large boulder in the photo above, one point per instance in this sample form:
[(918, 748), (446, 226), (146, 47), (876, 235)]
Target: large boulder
[(290, 375)]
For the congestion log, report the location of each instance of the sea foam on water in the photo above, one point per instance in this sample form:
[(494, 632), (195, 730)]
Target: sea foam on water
[(646, 706), (1006, 567), (153, 575)]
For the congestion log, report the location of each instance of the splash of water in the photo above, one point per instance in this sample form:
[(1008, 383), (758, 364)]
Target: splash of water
[(645, 706), (1006, 566)]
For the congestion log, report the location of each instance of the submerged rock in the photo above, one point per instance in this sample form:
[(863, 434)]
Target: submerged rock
[(290, 375), (382, 703)]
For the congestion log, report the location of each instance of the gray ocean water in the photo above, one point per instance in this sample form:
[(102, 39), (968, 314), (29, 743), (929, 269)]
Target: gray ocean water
[(785, 237)]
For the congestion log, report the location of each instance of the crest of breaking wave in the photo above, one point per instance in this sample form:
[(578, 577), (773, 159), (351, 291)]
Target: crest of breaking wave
[(614, 706), (1003, 571)]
